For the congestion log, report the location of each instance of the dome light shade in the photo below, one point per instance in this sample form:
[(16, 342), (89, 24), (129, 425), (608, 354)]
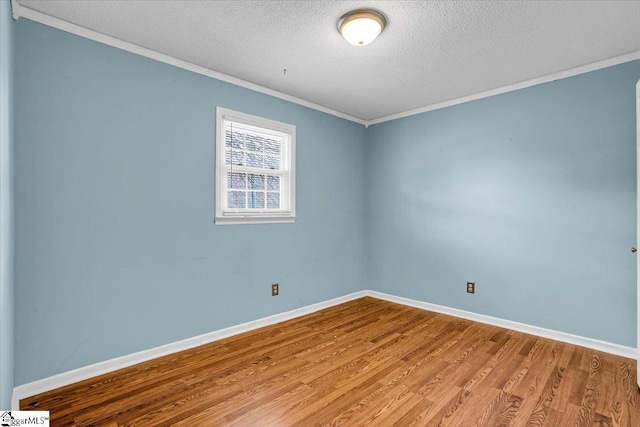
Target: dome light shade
[(361, 27)]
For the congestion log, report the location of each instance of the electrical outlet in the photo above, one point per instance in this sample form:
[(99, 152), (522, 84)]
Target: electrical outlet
[(471, 287), (275, 289)]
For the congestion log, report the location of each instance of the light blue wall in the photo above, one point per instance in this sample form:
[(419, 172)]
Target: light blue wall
[(6, 204), (116, 247), (531, 194)]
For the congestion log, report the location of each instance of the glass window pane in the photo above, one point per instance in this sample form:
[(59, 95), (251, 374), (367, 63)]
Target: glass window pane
[(238, 140), (254, 159), (273, 200), (236, 180), (273, 183), (256, 182), (256, 200), (236, 199), (272, 146), (255, 166), (238, 158), (255, 143), (272, 162)]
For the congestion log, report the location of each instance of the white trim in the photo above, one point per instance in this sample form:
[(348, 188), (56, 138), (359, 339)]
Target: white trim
[(21, 11), (253, 220), (78, 30), (80, 374), (638, 226), (286, 131), (15, 9), (15, 401), (591, 343), (510, 88)]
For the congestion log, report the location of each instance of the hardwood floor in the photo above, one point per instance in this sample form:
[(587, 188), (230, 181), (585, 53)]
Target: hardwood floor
[(366, 362)]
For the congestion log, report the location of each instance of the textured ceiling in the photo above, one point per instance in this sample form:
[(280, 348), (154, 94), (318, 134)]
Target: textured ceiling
[(430, 52)]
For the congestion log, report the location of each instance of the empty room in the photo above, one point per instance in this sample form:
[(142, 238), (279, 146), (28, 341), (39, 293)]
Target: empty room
[(308, 213)]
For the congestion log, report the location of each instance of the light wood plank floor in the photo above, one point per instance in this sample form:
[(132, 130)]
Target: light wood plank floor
[(366, 362)]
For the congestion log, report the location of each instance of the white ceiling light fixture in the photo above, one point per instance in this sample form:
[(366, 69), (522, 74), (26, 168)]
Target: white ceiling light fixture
[(361, 27)]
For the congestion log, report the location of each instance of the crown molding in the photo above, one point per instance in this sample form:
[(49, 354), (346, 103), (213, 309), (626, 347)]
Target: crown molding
[(15, 9), (33, 15), (515, 86)]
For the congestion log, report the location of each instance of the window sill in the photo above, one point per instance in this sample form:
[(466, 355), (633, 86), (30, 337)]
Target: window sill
[(230, 220)]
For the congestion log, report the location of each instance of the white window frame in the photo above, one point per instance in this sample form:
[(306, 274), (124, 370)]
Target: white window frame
[(225, 216)]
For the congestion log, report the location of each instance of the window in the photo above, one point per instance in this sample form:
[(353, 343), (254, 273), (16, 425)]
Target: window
[(255, 169)]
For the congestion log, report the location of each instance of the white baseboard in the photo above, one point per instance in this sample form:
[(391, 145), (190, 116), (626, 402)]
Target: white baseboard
[(594, 344), (80, 374), (60, 380)]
